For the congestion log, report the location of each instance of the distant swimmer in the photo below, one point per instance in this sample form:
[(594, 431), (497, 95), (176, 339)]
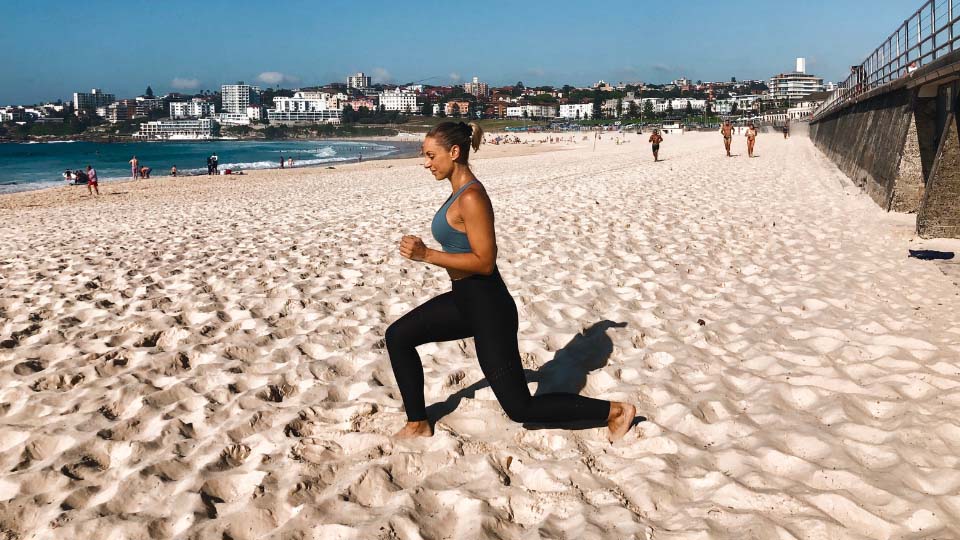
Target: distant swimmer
[(655, 140), (751, 138), (727, 130), (479, 306)]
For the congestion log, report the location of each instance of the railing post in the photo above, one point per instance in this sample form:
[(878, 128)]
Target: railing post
[(933, 28), (950, 23)]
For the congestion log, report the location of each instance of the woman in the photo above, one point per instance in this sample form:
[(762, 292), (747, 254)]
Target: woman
[(751, 138), (479, 304)]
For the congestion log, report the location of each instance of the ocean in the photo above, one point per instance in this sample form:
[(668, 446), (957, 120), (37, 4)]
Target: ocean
[(27, 166)]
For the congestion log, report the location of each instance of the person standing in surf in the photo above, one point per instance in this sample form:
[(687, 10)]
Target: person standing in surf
[(479, 304)]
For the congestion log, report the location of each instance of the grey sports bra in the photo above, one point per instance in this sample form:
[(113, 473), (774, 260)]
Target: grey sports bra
[(452, 240)]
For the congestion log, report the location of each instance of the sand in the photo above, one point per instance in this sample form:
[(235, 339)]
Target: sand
[(203, 358)]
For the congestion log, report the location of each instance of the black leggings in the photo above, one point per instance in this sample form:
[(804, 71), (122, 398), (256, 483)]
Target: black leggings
[(479, 306)]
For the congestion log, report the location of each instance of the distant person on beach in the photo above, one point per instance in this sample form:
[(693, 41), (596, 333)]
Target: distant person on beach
[(92, 181), (290, 163), (209, 165), (786, 131), (215, 161), (145, 172), (655, 140), (68, 176), (281, 161), (479, 306), (134, 167), (173, 171), (727, 130), (751, 139)]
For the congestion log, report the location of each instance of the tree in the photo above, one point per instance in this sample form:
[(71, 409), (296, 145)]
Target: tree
[(149, 92), (426, 110), (619, 107), (669, 107), (597, 104), (733, 108), (578, 114), (632, 110), (648, 108), (733, 79), (689, 110), (349, 115)]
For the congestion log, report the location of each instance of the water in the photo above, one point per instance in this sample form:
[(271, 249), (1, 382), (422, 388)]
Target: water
[(26, 166)]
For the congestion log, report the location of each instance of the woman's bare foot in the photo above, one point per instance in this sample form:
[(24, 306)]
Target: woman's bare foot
[(414, 429), (619, 420)]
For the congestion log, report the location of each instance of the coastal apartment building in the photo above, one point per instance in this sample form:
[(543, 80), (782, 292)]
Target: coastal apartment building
[(358, 81), (793, 86), (576, 111), (195, 108), (305, 108), (121, 111), (532, 111), (399, 100), (236, 98), (88, 102), (477, 88), (457, 108), (201, 128)]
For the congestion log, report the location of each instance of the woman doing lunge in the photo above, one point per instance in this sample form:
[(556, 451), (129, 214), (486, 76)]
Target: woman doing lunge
[(479, 304)]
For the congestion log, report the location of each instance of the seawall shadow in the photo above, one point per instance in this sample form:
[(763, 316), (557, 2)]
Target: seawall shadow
[(566, 372)]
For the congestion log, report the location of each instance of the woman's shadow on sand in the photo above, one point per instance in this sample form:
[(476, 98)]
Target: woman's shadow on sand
[(567, 372)]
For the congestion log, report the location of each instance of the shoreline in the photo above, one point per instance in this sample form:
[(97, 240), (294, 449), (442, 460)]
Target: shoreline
[(405, 148)]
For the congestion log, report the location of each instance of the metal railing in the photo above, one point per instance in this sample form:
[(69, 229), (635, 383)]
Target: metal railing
[(925, 36)]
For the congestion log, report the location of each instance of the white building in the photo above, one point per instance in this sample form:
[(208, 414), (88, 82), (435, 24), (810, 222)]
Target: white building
[(575, 111), (202, 128), (196, 108), (807, 106), (88, 102), (477, 88), (326, 116), (150, 104), (359, 81), (398, 100), (233, 119), (307, 108), (793, 86), (737, 104), (255, 112), (237, 97), (532, 111)]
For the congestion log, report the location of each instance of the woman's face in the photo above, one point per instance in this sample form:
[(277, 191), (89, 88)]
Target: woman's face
[(438, 159)]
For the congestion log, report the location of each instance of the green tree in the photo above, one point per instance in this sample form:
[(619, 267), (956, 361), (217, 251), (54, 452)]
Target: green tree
[(619, 107), (734, 108), (648, 109), (426, 110), (689, 111), (669, 107), (597, 104), (632, 110), (149, 92)]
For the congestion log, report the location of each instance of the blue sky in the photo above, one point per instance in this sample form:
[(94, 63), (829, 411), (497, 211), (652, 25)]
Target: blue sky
[(53, 48)]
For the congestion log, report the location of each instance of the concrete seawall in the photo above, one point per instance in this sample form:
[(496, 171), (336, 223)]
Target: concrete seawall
[(902, 147)]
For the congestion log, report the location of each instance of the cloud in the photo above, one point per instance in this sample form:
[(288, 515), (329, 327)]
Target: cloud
[(181, 83), (536, 72), (455, 77), (275, 77), (381, 75), (662, 68)]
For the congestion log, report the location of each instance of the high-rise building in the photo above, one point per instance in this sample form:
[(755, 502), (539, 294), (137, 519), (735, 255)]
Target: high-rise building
[(359, 81), (793, 86), (477, 88), (89, 102), (237, 97)]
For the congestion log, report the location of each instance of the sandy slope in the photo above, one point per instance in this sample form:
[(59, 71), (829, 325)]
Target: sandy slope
[(205, 359)]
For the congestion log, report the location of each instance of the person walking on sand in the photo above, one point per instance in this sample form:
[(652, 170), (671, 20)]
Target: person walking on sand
[(479, 306), (134, 167), (92, 181), (727, 130), (751, 138), (281, 161), (655, 140)]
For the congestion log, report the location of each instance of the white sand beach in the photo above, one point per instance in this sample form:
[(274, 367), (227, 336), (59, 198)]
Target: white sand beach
[(203, 358)]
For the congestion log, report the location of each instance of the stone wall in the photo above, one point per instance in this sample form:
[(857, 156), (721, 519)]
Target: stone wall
[(867, 141)]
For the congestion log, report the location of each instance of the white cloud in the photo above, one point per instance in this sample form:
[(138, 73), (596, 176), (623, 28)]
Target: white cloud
[(275, 77), (455, 77), (381, 75), (181, 83)]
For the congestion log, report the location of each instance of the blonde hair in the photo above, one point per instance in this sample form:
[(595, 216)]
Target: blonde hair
[(464, 136)]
